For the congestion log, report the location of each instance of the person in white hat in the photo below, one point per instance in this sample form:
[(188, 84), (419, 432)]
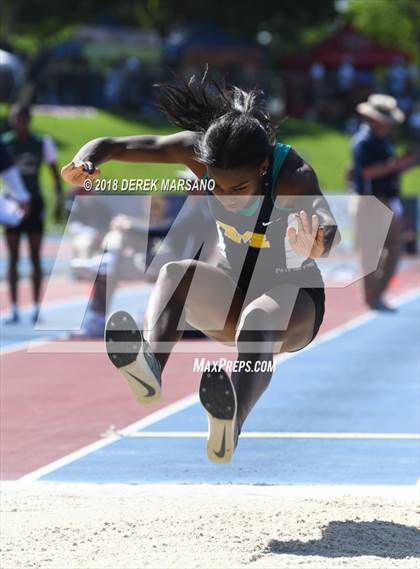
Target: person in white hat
[(376, 172)]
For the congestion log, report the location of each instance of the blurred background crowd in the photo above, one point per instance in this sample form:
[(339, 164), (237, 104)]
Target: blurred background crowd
[(316, 60)]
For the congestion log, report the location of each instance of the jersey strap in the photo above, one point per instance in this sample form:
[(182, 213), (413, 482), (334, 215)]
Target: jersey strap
[(280, 153)]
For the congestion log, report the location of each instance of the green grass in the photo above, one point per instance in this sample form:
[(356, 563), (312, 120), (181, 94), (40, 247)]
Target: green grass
[(326, 149), (71, 133)]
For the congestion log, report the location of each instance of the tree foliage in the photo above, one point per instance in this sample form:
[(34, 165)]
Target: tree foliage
[(392, 22), (285, 19)]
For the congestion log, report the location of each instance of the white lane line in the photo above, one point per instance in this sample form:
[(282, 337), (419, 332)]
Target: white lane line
[(270, 435), (141, 424), (192, 399)]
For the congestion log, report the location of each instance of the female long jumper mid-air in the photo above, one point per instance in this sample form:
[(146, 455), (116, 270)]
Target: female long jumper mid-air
[(227, 137)]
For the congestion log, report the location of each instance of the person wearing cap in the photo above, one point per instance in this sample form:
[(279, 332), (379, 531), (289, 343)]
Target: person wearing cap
[(376, 172)]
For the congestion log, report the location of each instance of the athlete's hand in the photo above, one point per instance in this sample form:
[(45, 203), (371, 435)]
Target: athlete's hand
[(308, 239), (78, 173)]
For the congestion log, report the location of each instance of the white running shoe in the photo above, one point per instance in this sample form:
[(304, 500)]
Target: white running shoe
[(218, 397), (131, 355)]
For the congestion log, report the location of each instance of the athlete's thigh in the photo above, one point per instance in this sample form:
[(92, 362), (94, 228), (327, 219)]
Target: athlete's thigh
[(289, 315), (213, 302)]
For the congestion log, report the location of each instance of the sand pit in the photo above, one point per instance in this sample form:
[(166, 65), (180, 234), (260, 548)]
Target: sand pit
[(111, 526)]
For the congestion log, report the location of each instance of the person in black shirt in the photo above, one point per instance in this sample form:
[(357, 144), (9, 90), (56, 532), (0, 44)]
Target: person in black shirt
[(376, 172)]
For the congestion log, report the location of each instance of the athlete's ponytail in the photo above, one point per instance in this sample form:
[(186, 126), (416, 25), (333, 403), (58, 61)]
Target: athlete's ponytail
[(236, 130)]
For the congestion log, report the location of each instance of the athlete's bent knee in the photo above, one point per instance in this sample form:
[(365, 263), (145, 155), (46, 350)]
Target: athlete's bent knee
[(175, 270), (257, 329)]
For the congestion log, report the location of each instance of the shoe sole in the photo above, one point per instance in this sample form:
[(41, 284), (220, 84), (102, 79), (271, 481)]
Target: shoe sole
[(124, 341), (218, 397)]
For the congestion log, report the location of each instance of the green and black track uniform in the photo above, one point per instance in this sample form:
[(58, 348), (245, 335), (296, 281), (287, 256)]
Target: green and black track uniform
[(255, 237)]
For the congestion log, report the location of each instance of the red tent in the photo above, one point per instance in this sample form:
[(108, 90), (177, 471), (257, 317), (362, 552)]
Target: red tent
[(365, 52)]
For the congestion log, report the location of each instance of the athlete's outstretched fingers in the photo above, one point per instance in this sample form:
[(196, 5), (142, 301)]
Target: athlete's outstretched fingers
[(292, 235), (300, 224), (305, 221)]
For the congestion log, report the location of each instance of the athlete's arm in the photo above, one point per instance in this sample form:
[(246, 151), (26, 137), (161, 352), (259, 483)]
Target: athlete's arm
[(175, 148), (299, 179)]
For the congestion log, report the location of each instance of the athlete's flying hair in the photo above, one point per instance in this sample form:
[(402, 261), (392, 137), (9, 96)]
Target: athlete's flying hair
[(236, 130)]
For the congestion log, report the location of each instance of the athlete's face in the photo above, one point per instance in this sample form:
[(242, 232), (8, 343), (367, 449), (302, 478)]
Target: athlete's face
[(236, 188)]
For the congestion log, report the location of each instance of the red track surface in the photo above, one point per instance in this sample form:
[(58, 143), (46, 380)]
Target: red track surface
[(53, 404)]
